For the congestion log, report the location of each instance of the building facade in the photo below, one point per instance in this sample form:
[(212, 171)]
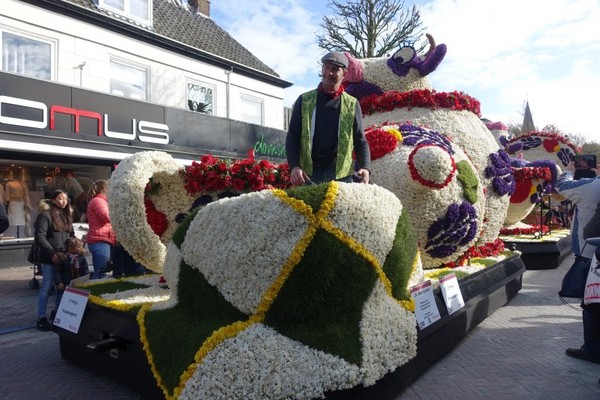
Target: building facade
[(85, 83)]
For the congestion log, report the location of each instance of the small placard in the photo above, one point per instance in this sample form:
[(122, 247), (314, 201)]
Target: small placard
[(71, 308), (426, 310), (451, 293)]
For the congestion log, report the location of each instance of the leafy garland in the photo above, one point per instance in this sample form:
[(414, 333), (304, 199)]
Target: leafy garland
[(425, 98)]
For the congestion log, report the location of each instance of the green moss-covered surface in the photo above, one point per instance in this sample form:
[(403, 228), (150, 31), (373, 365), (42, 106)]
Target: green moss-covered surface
[(322, 300)]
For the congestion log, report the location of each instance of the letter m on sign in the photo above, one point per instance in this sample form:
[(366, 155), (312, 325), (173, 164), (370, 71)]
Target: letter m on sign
[(77, 114)]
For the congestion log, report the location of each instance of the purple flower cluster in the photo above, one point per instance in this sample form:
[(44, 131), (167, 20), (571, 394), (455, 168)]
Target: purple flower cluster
[(457, 228), (362, 89), (565, 155), (415, 135), (503, 181)]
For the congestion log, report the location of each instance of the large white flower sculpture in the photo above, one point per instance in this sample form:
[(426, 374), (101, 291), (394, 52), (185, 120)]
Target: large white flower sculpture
[(397, 89), (285, 294), (127, 199)]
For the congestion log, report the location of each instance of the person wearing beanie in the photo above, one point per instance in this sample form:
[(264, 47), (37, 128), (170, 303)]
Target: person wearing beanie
[(326, 129)]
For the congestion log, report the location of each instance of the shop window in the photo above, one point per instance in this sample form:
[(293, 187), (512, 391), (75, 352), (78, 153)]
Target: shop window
[(128, 80), (251, 109), (23, 184), (27, 56), (139, 10), (200, 98)]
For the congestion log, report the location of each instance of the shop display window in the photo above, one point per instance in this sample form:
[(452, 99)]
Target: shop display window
[(26, 183)]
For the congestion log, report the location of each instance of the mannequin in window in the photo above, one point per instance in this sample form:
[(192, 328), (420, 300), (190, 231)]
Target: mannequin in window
[(17, 198)]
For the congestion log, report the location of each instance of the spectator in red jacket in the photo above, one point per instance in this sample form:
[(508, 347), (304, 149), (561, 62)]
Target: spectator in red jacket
[(100, 236)]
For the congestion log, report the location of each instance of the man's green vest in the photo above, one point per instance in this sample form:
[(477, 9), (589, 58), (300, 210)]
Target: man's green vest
[(343, 166)]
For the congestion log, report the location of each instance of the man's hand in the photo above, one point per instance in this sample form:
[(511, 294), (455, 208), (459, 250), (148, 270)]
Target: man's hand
[(298, 176), (571, 168), (364, 175)]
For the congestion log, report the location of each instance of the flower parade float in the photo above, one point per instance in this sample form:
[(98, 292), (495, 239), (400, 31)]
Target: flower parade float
[(263, 291), (539, 157)]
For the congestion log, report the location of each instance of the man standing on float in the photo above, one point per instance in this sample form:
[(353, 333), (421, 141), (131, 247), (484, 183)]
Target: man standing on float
[(325, 128)]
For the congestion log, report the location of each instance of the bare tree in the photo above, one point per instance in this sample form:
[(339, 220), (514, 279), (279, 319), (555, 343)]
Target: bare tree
[(371, 28)]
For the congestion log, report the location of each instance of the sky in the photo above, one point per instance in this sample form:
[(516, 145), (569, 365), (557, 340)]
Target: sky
[(503, 53)]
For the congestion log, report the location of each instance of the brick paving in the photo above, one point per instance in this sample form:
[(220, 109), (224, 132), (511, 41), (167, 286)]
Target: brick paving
[(516, 353)]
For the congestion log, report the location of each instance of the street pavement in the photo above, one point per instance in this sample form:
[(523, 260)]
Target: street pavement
[(516, 353)]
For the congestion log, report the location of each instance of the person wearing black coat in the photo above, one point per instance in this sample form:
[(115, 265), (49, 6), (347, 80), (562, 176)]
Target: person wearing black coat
[(53, 226), (3, 218)]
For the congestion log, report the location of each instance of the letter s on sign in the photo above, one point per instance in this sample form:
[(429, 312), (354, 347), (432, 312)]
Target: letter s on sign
[(152, 132)]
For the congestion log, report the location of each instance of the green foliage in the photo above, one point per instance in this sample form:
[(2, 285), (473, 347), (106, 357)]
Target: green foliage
[(399, 262), (321, 302), (114, 287), (182, 228), (468, 179), (313, 195), (443, 272)]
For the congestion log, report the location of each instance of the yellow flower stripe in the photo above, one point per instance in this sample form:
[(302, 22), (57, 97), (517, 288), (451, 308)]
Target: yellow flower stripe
[(141, 318), (118, 305), (410, 303)]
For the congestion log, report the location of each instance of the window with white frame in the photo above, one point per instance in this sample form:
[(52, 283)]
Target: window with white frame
[(128, 80), (27, 56), (140, 10), (251, 109), (200, 97)]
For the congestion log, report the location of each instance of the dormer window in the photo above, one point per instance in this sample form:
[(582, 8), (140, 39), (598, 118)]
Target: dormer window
[(139, 10)]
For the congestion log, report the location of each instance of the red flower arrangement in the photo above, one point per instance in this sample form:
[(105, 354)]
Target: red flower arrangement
[(525, 231), (381, 142), (491, 249), (248, 175), (156, 219), (425, 98), (527, 173)]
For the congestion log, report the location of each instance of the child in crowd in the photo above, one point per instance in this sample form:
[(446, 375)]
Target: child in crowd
[(73, 265)]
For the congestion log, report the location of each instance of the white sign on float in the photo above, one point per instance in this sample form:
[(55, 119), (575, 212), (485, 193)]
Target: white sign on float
[(71, 308), (426, 310), (451, 293)]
